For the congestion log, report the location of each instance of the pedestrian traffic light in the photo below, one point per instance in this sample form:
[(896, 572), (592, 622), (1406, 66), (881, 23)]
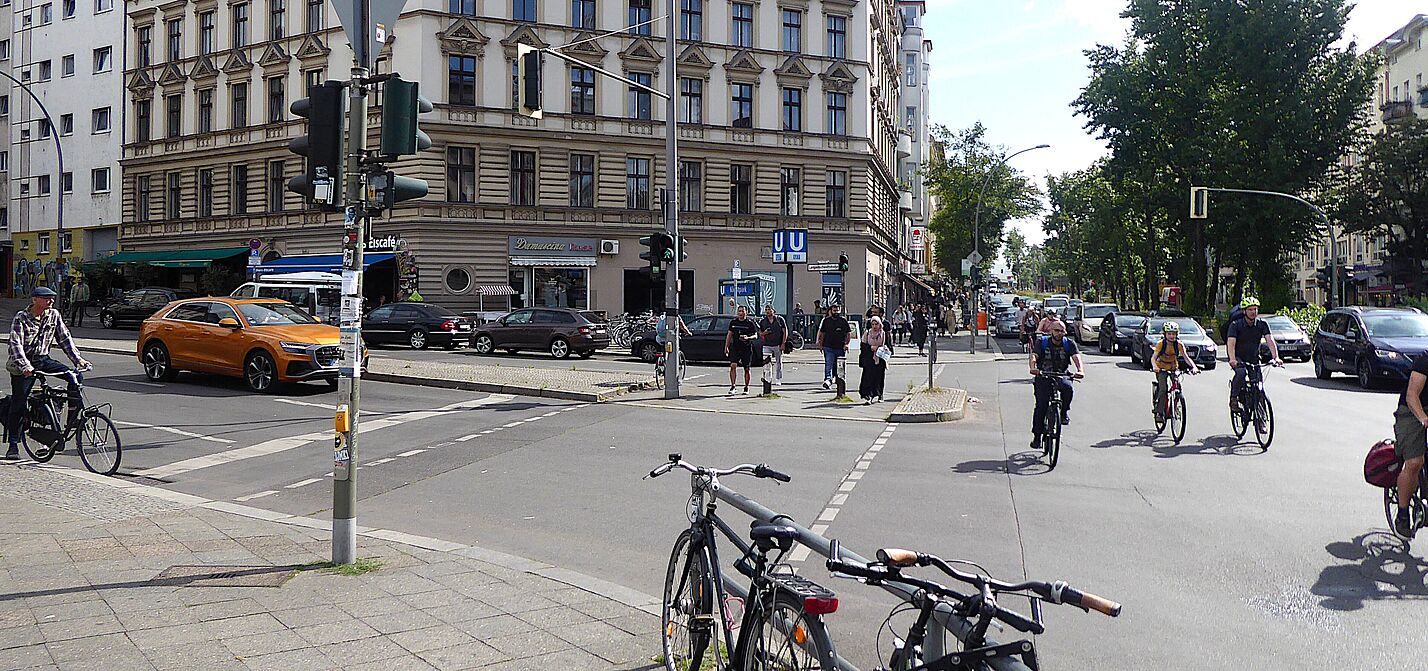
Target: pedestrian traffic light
[(1324, 277), (683, 252), (528, 64), (388, 188), (842, 263), (321, 179), (402, 103)]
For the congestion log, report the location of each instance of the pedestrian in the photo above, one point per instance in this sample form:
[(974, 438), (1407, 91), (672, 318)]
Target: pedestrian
[(873, 356), (739, 343), (774, 331), (34, 331), (78, 298), (919, 329), (818, 308), (833, 334), (899, 324)]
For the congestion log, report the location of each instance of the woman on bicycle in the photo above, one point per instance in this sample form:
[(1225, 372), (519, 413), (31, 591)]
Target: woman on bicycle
[(1166, 358), (1410, 432), (34, 330)]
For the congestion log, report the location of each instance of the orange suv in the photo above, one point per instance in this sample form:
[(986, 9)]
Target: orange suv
[(264, 341)]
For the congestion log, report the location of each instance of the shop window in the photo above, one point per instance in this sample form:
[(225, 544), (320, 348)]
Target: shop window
[(561, 287)]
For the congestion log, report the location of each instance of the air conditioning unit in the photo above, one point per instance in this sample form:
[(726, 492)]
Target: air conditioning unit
[(610, 247)]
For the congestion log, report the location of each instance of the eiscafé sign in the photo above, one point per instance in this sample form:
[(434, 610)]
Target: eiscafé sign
[(525, 245)]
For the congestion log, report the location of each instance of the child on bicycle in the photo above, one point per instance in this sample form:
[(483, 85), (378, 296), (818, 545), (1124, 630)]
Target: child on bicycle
[(32, 333), (1166, 358)]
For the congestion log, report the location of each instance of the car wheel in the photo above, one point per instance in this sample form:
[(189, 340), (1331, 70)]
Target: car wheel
[(1365, 374), (560, 348), (417, 338), (649, 352), (158, 367), (1321, 369), (261, 373), (106, 319), (483, 344)]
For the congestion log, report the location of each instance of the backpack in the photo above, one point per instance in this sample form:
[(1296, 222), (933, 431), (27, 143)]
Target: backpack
[(1382, 465), (1044, 348)]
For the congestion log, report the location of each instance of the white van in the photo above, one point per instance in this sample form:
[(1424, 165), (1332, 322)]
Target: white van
[(320, 294)]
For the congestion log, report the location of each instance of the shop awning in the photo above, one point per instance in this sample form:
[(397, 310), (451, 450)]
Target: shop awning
[(555, 262), (495, 290), (322, 263), (180, 258), (918, 282)]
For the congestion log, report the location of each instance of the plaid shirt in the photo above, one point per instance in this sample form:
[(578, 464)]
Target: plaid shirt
[(32, 337)]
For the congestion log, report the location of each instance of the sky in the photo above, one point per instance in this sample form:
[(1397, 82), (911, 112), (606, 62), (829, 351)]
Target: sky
[(1016, 66)]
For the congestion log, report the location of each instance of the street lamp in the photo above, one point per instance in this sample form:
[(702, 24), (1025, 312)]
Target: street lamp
[(977, 230), (59, 157)]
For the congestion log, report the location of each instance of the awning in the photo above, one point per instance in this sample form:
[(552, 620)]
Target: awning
[(556, 262), (322, 263), (918, 282), (495, 290), (181, 258)]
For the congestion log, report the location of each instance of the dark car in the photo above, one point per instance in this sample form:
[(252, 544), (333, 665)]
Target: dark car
[(419, 325), (1197, 342), (705, 344), (136, 305), (1117, 330), (1288, 337), (560, 331), (1374, 344)]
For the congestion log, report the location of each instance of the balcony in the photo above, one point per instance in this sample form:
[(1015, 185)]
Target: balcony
[(1397, 110), (905, 200), (904, 145)]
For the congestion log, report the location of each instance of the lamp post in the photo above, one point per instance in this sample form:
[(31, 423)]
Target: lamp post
[(977, 233), (59, 157)]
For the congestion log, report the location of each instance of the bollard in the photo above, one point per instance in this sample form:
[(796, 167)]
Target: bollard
[(768, 378), (842, 378)]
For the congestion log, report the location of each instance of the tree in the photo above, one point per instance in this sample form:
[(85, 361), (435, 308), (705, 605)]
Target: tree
[(1093, 236), (1386, 192), (1014, 250), (956, 180)]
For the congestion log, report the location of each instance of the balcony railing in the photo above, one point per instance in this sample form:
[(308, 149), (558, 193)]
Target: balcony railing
[(1397, 110)]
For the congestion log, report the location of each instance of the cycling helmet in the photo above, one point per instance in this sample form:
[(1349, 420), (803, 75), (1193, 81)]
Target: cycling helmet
[(1171, 327), (1249, 302)]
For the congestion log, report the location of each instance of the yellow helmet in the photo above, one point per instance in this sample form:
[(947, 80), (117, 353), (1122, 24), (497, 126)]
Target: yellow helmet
[(1171, 327), (1249, 302)]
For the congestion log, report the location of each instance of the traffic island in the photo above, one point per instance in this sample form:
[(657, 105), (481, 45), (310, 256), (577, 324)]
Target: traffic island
[(936, 404), (569, 385)]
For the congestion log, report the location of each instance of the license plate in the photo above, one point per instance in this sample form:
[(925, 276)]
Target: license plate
[(463, 328), (600, 331)]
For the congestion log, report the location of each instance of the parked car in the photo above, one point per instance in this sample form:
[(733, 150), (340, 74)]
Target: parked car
[(1197, 342), (1085, 322), (560, 331), (1291, 340), (705, 344), (1374, 344), (1117, 331), (320, 294), (134, 306), (419, 325), (265, 342)]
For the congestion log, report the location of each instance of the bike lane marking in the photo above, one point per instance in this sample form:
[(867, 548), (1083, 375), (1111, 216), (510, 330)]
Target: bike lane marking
[(850, 481), (178, 432)]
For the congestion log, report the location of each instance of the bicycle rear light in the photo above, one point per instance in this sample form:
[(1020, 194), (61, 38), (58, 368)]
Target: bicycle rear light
[(817, 605)]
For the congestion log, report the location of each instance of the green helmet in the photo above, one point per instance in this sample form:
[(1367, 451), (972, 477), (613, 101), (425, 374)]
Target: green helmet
[(1249, 302), (1171, 327)]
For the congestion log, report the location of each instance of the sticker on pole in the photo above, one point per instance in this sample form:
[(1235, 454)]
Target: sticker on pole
[(351, 342), (341, 459)]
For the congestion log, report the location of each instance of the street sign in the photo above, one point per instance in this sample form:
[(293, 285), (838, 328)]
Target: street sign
[(918, 239), (974, 258), (780, 250), (382, 17), (790, 245), (966, 268), (919, 269), (736, 272), (255, 244), (823, 267)]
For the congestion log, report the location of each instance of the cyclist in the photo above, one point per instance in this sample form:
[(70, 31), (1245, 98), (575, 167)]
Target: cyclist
[(33, 332), (662, 329), (1410, 433), (1052, 353), (1168, 354), (1243, 341)]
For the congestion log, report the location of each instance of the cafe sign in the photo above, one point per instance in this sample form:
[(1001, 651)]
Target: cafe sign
[(527, 245)]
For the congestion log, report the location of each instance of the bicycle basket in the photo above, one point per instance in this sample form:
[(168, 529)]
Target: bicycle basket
[(1381, 465)]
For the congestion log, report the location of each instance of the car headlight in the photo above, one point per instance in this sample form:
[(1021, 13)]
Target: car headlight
[(1388, 354), (296, 347), (1210, 347)]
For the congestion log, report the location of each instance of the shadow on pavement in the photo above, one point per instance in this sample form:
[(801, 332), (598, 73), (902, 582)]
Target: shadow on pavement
[(1343, 384), (1028, 462), (218, 572), (1141, 438), (1383, 570), (204, 386), (1223, 445)]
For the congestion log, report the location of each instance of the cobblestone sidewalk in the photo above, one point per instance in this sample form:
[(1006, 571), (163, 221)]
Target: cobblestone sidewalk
[(96, 577)]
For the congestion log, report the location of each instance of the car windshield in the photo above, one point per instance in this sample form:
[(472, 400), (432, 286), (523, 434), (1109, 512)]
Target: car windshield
[(438, 311), (1279, 324), (1129, 320), (1187, 326), (1397, 325), (1056, 302), (273, 314), (1096, 311)]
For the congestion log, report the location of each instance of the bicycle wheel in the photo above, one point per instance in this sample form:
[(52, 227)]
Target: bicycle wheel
[(1177, 417), (687, 619), (1264, 422), (43, 435), (1238, 423), (1160, 422), (92, 310), (659, 373), (98, 443), (1390, 504), (785, 638), (683, 366), (1051, 440)]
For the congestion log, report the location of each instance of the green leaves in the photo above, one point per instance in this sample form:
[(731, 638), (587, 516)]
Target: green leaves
[(956, 179), (1386, 192)]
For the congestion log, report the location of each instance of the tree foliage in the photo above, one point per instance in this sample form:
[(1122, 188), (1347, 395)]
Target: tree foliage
[(1386, 192), (1013, 250), (956, 180), (1094, 236)]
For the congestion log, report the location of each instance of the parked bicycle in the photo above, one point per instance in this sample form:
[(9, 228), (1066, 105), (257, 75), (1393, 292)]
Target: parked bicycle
[(659, 367), (625, 326), (1254, 408), (1051, 424), (980, 610), (94, 434), (781, 627), (1173, 412)]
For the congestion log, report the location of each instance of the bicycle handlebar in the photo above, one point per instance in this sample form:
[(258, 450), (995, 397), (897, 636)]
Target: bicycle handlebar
[(756, 470), (42, 373)]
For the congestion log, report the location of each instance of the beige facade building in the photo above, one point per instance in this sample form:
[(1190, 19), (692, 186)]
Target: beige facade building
[(787, 112)]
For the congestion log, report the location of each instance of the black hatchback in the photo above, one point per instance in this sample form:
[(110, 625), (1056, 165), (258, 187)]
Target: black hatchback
[(418, 325), (136, 305)]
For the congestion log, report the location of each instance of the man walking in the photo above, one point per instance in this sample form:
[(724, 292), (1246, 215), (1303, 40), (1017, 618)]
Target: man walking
[(833, 335), (33, 332), (78, 298), (775, 333), (739, 346)]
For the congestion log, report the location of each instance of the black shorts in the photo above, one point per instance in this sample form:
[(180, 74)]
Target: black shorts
[(742, 356)]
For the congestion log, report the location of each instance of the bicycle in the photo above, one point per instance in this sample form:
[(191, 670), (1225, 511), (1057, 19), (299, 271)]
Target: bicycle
[(1253, 407), (1173, 412), (977, 611), (781, 626), (1417, 506), (659, 366), (94, 434), (1051, 423)]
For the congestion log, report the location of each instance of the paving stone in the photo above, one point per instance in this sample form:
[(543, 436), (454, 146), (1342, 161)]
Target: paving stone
[(25, 657), (336, 632), (466, 609), (431, 638), (408, 620), (527, 643), (464, 656), (407, 662), (208, 655), (309, 616), (565, 660), (309, 659), (225, 609), (80, 627), (159, 637), (15, 637), (247, 625), (16, 618), (101, 647), (554, 618), (158, 617), (488, 627), (368, 649), (264, 644), (379, 606)]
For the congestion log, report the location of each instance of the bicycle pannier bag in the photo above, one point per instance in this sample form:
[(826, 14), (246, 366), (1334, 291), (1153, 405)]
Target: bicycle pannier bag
[(1382, 465)]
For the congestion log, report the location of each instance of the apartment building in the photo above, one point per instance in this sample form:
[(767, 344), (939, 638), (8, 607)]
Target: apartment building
[(788, 115), (7, 48), (915, 147)]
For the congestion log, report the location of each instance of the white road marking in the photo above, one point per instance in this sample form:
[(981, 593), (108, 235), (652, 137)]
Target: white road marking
[(515, 423), (863, 465), (552, 413), (855, 475), (847, 486), (145, 384), (819, 529), (466, 438), (830, 512), (309, 404), (379, 462), (828, 515), (259, 495), (302, 483), (838, 499), (178, 432), (409, 453)]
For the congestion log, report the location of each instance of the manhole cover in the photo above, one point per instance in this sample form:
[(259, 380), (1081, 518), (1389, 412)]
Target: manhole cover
[(224, 576)]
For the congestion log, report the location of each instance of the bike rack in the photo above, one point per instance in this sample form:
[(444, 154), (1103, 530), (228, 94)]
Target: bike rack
[(944, 616)]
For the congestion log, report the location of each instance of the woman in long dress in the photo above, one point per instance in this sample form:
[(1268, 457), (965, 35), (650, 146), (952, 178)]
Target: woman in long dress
[(875, 368)]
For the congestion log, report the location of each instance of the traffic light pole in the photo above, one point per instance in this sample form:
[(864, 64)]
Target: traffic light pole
[(671, 199), (1334, 289)]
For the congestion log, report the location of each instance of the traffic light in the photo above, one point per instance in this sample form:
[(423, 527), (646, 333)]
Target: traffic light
[(388, 188), (661, 250), (528, 64), (1199, 202), (402, 102), (842, 263), (1324, 277), (683, 249), (321, 179)]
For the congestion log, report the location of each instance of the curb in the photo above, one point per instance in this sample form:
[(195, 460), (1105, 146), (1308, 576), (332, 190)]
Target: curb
[(958, 410), (472, 385)]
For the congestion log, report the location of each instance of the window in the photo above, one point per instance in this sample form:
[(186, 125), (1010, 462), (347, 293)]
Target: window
[(523, 177), (238, 114), (4, 218), (837, 123), (313, 78), (910, 69), (742, 34), (837, 37), (462, 7), (66, 182), (205, 192), (836, 194), (637, 183), (44, 243), (691, 186), (99, 180), (66, 124), (314, 16), (103, 59), (461, 174), (639, 14), (741, 189), (238, 190), (582, 91), (67, 9), (205, 33), (276, 185), (4, 105), (792, 30), (173, 194), (4, 50), (461, 86), (47, 13), (205, 110), (523, 10), (788, 180), (144, 194), (4, 160), (99, 120), (582, 180), (103, 5), (145, 46), (639, 99), (46, 70), (277, 19), (142, 125), (277, 98), (67, 66), (742, 111), (175, 30), (793, 109), (240, 25), (691, 19), (691, 100), (44, 128), (515, 84), (582, 14), (173, 115)]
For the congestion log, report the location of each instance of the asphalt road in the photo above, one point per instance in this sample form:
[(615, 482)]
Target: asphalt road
[(1224, 554)]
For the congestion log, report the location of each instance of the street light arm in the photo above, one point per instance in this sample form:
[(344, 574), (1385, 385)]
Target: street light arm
[(59, 157)]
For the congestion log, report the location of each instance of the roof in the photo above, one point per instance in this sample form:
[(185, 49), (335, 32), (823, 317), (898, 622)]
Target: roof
[(1399, 37)]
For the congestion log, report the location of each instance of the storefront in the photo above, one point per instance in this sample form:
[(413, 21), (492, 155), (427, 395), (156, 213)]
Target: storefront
[(551, 272)]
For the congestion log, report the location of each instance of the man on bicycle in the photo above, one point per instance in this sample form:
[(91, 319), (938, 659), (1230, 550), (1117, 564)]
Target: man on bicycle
[(33, 332), (1052, 353), (1166, 358), (1243, 341), (1410, 433)]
